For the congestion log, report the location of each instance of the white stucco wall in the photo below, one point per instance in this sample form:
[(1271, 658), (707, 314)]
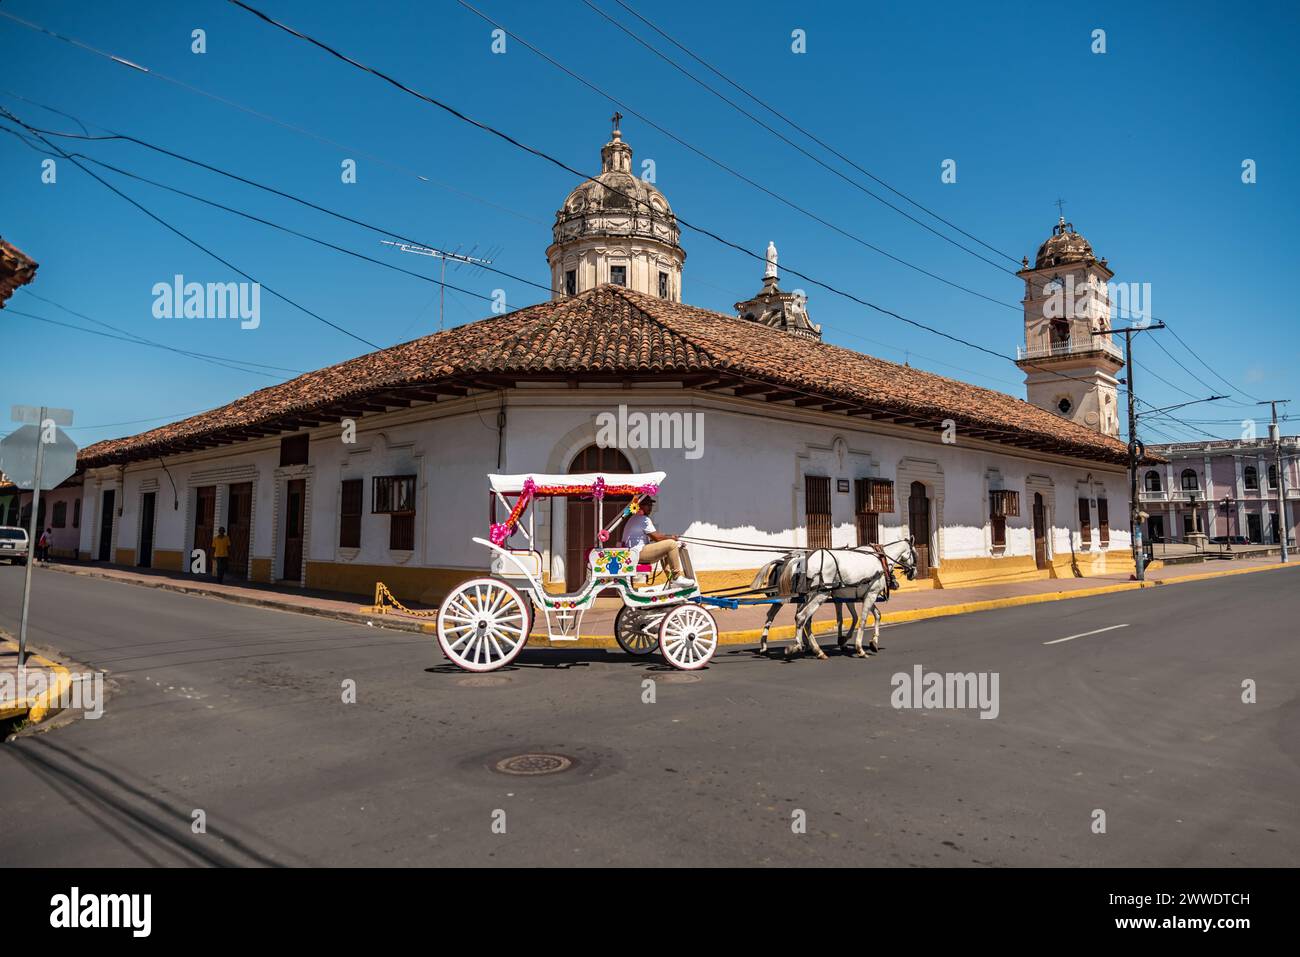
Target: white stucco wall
[(747, 484)]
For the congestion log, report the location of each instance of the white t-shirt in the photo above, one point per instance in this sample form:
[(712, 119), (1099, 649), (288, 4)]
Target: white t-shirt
[(637, 529)]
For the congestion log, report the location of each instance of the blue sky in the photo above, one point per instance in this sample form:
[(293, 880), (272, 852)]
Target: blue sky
[(1144, 142)]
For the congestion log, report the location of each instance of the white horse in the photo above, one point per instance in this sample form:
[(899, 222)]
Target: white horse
[(851, 575)]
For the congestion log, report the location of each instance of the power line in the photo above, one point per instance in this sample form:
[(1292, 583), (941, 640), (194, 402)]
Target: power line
[(193, 242), (732, 170), (392, 234), (540, 154), (133, 341), (72, 41), (145, 341), (816, 159), (767, 106)]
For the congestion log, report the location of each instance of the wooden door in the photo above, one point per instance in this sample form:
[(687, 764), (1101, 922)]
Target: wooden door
[(1040, 532), (580, 514), (239, 514), (294, 512), (106, 525), (144, 557), (205, 514), (918, 520)]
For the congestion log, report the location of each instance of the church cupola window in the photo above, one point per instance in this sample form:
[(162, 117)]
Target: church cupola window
[(663, 285), (571, 282), (618, 275)]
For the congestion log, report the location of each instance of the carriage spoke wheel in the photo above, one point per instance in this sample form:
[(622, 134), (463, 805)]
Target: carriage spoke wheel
[(688, 637), (483, 624), (637, 631)]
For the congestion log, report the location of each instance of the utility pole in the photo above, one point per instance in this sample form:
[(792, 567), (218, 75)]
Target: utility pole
[(1135, 452), (1275, 433)]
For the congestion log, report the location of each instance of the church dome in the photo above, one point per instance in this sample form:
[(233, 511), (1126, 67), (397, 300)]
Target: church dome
[(616, 228), (1064, 246), (616, 202), (614, 190)]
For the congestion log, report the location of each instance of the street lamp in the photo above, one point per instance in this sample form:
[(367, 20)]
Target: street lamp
[(1226, 503)]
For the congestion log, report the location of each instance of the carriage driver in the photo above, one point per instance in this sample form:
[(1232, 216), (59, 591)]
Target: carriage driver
[(640, 531)]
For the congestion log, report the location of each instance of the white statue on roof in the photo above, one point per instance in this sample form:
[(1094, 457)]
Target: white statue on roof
[(769, 271)]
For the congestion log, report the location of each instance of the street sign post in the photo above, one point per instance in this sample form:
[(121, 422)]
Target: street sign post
[(39, 457)]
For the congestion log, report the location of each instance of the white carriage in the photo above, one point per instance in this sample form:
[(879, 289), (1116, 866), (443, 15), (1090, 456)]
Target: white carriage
[(485, 622)]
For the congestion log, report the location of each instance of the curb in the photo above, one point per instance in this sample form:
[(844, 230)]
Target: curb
[(40, 706), (184, 589), (746, 636)]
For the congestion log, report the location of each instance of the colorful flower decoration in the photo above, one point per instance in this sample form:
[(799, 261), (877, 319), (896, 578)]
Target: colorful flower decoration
[(499, 532), (633, 508), (604, 535)]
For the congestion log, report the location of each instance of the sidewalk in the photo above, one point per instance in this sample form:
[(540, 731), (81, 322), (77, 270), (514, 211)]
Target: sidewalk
[(741, 626)]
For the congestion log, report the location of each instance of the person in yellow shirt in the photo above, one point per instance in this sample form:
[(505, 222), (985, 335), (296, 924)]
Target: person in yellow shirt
[(220, 552)]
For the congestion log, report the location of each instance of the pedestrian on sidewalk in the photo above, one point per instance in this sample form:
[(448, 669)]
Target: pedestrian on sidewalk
[(220, 553), (43, 546)]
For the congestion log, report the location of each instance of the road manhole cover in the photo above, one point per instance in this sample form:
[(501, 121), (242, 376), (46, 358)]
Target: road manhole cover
[(484, 681), (534, 764), (678, 678)]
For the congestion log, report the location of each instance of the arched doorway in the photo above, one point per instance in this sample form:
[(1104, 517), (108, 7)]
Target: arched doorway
[(580, 514), (918, 521), (1040, 531)]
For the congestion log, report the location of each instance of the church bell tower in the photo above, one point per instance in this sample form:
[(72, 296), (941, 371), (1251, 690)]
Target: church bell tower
[(1070, 360)]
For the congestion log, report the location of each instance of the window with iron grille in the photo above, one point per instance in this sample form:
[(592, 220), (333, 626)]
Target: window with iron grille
[(1103, 521), (866, 510), (401, 532), (60, 514), (293, 449), (817, 502), (392, 494), (1004, 503), (1085, 523), (350, 514)]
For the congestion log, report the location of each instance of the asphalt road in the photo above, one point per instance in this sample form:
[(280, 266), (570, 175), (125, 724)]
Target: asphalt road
[(238, 711)]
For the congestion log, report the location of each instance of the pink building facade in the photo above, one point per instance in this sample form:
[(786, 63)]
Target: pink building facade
[(1228, 490)]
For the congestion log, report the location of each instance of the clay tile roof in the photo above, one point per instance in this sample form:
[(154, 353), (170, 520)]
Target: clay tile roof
[(616, 333), (16, 269)]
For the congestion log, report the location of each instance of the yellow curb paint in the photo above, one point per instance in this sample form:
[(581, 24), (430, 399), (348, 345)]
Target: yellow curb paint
[(40, 705), (786, 632)]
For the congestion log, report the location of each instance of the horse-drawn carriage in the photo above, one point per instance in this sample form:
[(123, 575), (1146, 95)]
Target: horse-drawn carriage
[(485, 622)]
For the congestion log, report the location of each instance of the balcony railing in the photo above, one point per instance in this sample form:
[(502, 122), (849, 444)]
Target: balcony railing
[(1075, 345)]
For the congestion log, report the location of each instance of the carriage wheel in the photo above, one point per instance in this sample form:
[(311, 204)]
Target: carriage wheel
[(636, 630), (688, 637), (483, 624)]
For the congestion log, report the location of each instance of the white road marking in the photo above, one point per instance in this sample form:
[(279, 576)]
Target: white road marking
[(1084, 635)]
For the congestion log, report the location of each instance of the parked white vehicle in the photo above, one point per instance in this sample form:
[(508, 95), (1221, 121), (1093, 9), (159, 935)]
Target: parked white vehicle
[(14, 545)]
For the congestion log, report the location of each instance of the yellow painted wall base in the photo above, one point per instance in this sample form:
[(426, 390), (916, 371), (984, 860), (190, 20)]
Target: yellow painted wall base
[(419, 584), (167, 560), (261, 570), (125, 556)]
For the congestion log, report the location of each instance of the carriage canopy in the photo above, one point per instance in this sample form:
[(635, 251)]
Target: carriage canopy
[(566, 484)]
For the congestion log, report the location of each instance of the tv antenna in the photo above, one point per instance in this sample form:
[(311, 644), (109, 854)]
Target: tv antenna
[(458, 259)]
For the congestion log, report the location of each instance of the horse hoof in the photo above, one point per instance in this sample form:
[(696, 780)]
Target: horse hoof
[(821, 656)]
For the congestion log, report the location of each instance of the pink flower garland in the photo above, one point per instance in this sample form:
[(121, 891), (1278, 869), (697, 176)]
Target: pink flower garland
[(500, 531)]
